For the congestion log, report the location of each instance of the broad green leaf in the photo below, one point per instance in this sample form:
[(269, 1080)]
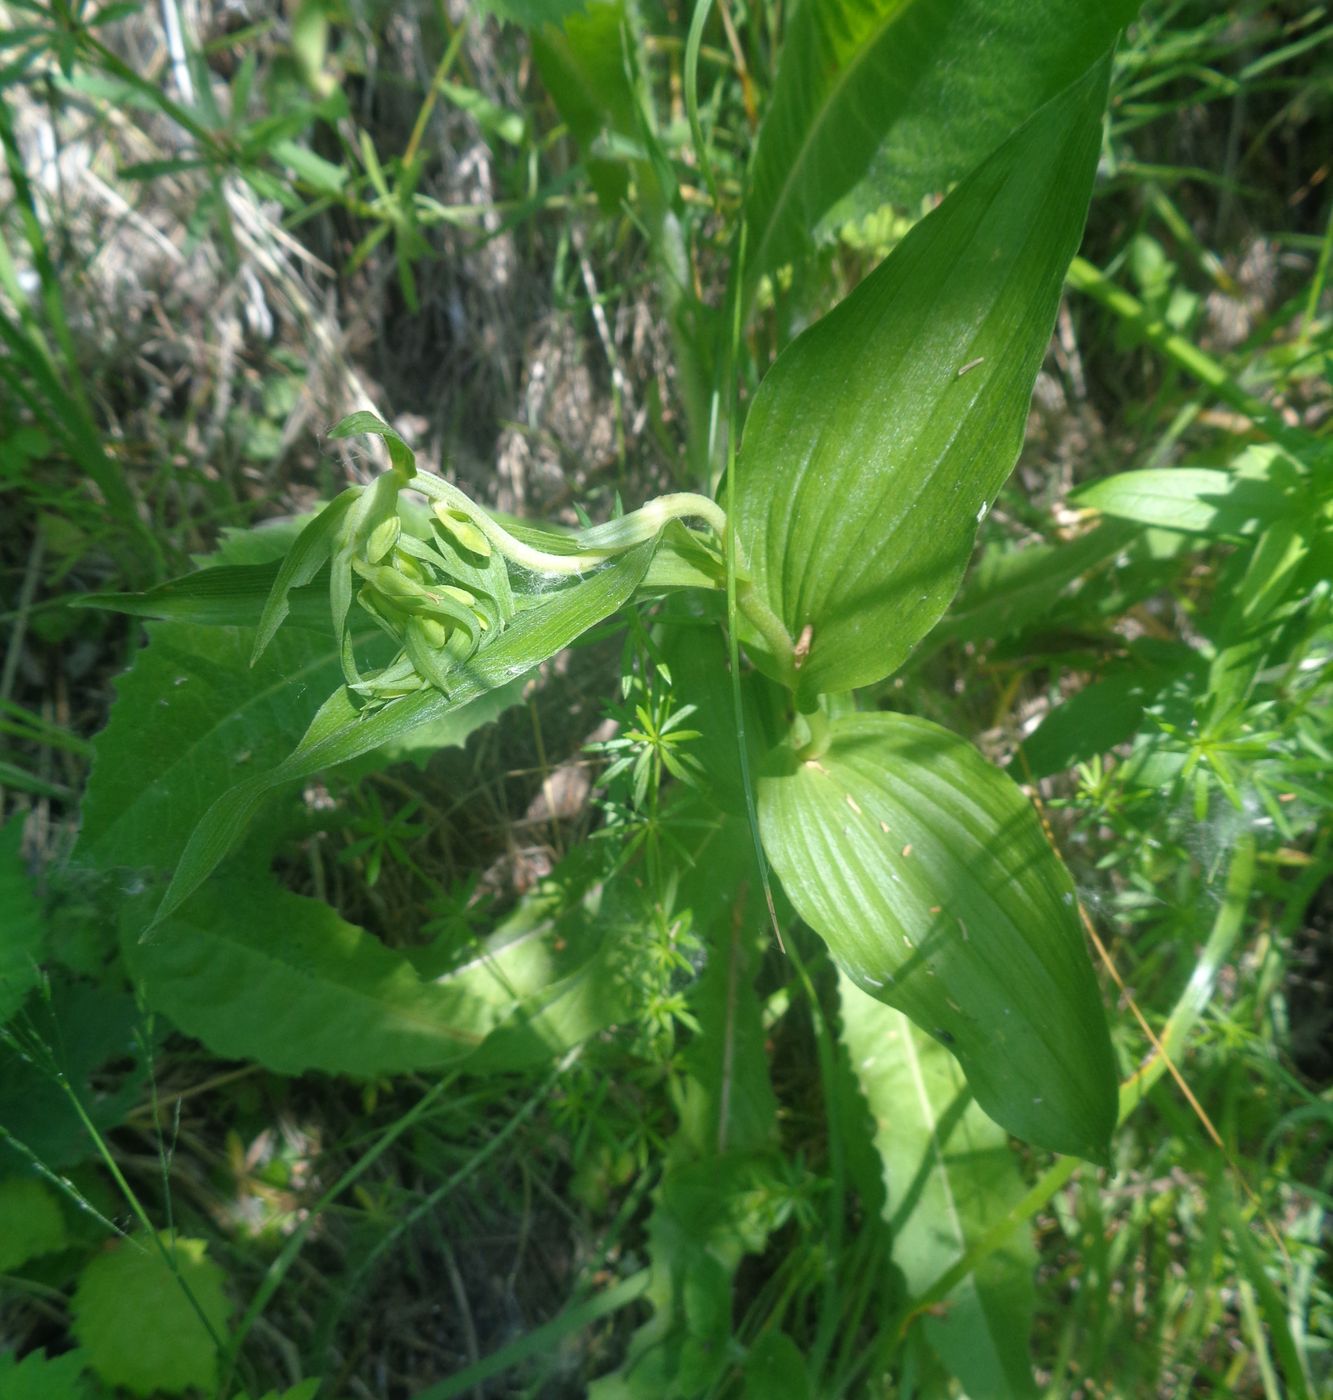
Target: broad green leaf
[(775, 1369), (882, 435), (258, 973), (949, 1176), (131, 1283), (21, 924), (39, 1377), (927, 873), (911, 93), (339, 733), (192, 717), (1198, 500), (1103, 714)]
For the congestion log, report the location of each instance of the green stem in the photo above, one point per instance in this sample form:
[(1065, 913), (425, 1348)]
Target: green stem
[(599, 542), (821, 733)]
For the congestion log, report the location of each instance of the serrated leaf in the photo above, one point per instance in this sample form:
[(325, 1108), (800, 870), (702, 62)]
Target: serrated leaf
[(949, 1177), (883, 433), (907, 95), (87, 1031), (926, 872), (191, 716), (42, 1377), (339, 734), (135, 1323), (22, 927), (30, 1222)]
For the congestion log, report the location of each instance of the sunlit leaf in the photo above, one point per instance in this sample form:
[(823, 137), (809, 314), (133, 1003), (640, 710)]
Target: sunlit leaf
[(881, 436), (906, 95), (928, 875)]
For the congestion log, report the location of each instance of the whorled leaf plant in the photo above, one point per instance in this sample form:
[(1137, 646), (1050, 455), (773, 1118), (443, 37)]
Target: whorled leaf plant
[(876, 444)]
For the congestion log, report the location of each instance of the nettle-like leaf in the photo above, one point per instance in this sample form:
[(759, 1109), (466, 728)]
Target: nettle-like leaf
[(879, 439), (904, 96), (39, 1377), (949, 1177), (927, 873), (96, 1047), (137, 1327)]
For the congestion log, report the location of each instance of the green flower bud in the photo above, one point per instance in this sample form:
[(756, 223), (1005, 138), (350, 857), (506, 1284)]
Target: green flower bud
[(460, 527), (383, 538)]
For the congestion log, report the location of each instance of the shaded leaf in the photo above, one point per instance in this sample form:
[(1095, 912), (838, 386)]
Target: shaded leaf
[(228, 596), (86, 1034), (258, 973), (582, 65), (1101, 715), (881, 436), (30, 1223), (39, 1377), (928, 875)]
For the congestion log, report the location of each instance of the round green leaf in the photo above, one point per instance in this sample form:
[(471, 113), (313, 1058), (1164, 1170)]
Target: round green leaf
[(137, 1325), (926, 872)]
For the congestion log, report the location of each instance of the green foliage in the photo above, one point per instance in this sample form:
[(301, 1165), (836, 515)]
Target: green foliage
[(171, 1281), (948, 1178), (21, 934), (30, 1222), (880, 438), (751, 1029), (907, 97), (929, 876), (39, 1377)]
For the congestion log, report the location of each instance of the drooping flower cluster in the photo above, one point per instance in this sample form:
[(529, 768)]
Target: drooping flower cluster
[(436, 577)]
